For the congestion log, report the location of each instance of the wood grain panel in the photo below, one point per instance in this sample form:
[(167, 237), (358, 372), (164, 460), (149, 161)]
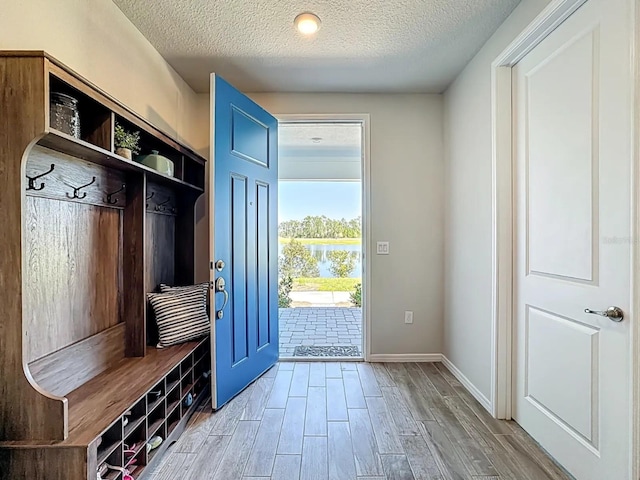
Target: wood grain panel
[(287, 467), (314, 459), (67, 369), (263, 453), (134, 266), (290, 442), (24, 412), (300, 380), (208, 458), (160, 247), (230, 415), (341, 462), (70, 172), (455, 444), (400, 411), (365, 449), (238, 451), (258, 400), (397, 467), (315, 421), (336, 402), (72, 292), (44, 464), (94, 406), (280, 389), (384, 429), (185, 247)]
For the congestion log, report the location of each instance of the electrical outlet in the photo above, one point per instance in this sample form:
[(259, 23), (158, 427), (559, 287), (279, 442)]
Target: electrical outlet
[(408, 317), (382, 248)]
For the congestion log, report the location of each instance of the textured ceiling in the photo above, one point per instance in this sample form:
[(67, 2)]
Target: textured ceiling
[(362, 46)]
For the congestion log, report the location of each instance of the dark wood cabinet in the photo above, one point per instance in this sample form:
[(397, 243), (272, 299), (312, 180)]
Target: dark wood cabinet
[(85, 235)]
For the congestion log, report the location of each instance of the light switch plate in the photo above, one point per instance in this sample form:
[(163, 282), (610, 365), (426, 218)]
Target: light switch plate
[(382, 248)]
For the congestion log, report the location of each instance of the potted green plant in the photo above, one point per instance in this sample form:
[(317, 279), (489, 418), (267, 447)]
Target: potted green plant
[(127, 143)]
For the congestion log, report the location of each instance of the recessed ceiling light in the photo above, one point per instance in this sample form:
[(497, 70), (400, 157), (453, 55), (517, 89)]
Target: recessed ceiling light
[(316, 139), (307, 23)]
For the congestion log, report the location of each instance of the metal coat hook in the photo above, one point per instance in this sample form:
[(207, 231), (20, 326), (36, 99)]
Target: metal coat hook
[(150, 197), (159, 205), (32, 180), (76, 190), (110, 199)]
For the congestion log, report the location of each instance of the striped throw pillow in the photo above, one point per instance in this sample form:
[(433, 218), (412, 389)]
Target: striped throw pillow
[(181, 315), (164, 288)]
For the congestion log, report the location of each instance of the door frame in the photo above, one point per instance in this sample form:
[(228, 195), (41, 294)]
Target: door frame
[(503, 229), (364, 120)]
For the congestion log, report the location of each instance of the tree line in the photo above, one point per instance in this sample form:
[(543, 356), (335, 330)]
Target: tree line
[(320, 227)]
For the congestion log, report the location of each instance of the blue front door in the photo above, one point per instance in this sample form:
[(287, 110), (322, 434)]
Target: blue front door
[(245, 182)]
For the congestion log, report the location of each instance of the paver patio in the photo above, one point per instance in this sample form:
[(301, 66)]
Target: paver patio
[(321, 326)]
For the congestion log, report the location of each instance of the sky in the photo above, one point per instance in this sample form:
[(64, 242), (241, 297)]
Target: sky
[(336, 200)]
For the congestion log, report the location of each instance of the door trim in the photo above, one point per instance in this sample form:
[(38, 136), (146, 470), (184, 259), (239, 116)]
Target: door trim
[(364, 119), (503, 231)]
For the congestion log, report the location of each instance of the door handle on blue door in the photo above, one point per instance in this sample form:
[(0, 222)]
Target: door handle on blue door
[(220, 287)]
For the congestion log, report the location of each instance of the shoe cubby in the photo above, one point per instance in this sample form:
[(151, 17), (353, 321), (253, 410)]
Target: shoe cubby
[(114, 459), (155, 422), (109, 442), (186, 366), (134, 417), (155, 397), (113, 475), (136, 440), (137, 461), (203, 351), (173, 420), (173, 379), (187, 384), (173, 399)]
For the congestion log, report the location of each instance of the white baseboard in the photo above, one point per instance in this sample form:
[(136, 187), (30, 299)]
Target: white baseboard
[(405, 357), (473, 390)]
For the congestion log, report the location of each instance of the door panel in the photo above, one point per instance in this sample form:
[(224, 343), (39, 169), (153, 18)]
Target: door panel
[(565, 82), (245, 180), (550, 370), (572, 143)]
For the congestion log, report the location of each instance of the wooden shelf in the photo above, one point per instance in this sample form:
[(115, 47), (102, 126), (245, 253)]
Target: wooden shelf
[(172, 407), (131, 426), (186, 390), (171, 386), (113, 475), (154, 427), (111, 394), (155, 404), (61, 142), (136, 455), (103, 453)]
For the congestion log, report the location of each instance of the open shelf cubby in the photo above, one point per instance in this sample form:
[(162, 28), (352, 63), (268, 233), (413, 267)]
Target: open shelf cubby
[(89, 234)]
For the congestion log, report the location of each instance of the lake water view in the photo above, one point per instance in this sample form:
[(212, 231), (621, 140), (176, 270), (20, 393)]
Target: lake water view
[(320, 254)]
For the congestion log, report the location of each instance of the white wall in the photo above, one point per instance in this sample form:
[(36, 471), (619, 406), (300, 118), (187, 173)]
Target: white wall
[(467, 126), (406, 209), (94, 38)]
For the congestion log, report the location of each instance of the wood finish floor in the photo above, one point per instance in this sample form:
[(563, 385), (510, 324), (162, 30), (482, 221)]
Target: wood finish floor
[(343, 421)]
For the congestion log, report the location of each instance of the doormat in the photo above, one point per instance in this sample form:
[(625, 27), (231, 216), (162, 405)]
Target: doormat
[(331, 351)]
